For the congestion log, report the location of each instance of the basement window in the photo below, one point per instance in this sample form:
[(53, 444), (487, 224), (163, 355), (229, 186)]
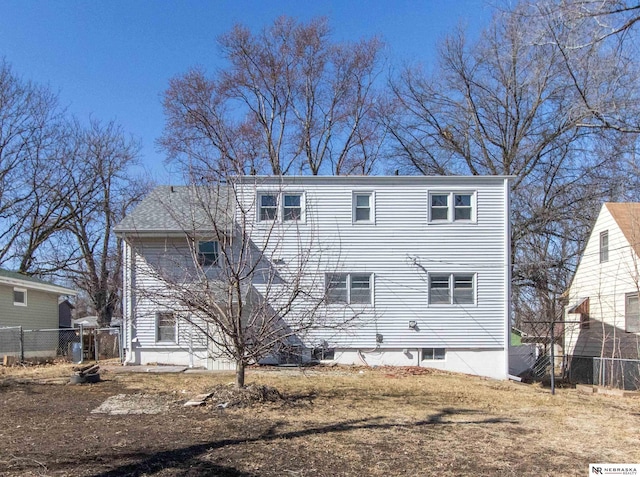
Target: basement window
[(433, 354)]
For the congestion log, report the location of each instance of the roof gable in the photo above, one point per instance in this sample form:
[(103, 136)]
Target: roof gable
[(180, 209), (627, 216)]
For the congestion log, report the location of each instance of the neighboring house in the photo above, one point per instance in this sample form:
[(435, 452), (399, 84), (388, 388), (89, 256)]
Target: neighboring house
[(32, 304), (424, 261), (603, 296)]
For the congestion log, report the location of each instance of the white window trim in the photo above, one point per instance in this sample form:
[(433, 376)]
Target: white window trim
[(626, 313), (303, 212), (259, 208), (372, 207), (451, 193), (604, 251), (349, 275), (279, 218), (452, 275), (19, 303), (157, 337)]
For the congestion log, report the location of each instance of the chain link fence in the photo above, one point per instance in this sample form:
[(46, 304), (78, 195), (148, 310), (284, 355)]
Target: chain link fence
[(65, 344), (609, 372), (617, 373)]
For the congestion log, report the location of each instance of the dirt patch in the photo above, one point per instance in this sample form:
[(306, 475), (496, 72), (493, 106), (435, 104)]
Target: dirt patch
[(121, 404), (334, 422)]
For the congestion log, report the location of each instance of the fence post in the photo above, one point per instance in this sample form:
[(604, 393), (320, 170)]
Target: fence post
[(81, 344), (21, 345), (120, 344), (95, 343)]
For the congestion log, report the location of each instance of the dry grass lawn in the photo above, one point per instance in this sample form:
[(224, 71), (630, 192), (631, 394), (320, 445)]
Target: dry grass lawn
[(331, 422)]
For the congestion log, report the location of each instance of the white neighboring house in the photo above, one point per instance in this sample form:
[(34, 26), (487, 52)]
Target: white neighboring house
[(426, 260), (603, 296)]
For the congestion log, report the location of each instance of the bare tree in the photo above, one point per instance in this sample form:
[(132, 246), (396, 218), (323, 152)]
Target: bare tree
[(101, 192), (598, 46), (503, 105), (223, 276), (31, 185), (290, 101)]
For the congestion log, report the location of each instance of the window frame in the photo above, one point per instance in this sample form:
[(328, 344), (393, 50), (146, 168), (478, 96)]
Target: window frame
[(349, 288), (436, 354), (202, 256), (285, 207), (452, 280), (262, 207), (158, 317), (451, 207), (24, 302), (627, 313), (604, 246), (355, 207), (279, 210)]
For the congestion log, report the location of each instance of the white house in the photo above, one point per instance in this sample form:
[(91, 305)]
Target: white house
[(423, 262), (603, 297)]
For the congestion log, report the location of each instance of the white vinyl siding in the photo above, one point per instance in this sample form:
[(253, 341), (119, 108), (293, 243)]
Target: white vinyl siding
[(608, 275), (404, 250)]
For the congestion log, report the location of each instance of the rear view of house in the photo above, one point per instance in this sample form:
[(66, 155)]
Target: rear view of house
[(419, 266)]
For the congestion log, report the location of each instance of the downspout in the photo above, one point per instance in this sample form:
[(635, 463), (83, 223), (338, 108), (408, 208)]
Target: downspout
[(507, 274), (128, 272)]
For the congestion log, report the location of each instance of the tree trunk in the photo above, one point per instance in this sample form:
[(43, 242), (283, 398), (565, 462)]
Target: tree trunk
[(240, 374)]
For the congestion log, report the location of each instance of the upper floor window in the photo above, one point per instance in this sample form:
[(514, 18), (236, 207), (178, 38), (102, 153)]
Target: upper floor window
[(631, 313), (451, 207), (20, 296), (363, 207), (268, 206), (292, 207), (166, 326), (349, 288), (287, 207), (207, 253), (604, 246), (451, 289)]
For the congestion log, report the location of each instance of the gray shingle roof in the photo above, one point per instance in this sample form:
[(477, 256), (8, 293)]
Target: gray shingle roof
[(181, 209)]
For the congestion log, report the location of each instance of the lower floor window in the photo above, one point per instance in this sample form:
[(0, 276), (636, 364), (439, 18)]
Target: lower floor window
[(323, 353), (166, 326), (451, 289), (431, 354), (349, 288), (632, 312)]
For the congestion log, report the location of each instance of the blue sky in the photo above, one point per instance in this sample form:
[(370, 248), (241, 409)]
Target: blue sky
[(113, 59)]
